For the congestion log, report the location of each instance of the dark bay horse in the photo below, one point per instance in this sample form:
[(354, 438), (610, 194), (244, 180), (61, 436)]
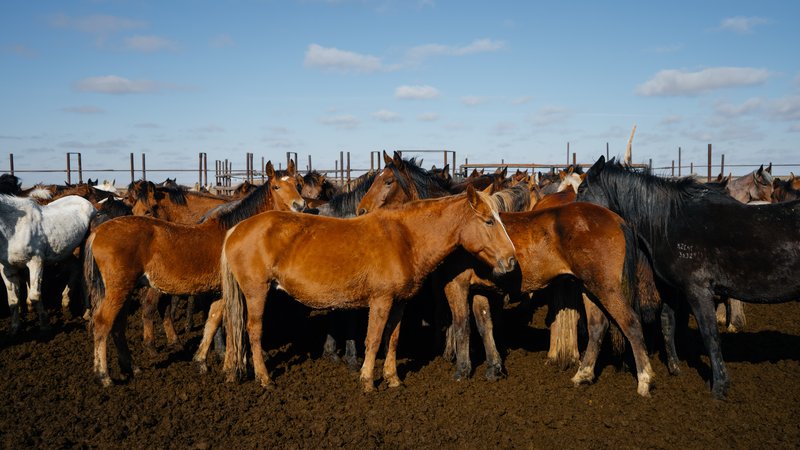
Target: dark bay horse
[(179, 259), (378, 261), (704, 243), (786, 190)]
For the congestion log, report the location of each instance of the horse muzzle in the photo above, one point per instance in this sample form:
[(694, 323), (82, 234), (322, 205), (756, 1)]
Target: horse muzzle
[(299, 206), (505, 266)]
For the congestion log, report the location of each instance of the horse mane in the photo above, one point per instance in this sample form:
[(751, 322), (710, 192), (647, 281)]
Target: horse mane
[(252, 204), (344, 204), (649, 202), (426, 183), (177, 194), (514, 199)]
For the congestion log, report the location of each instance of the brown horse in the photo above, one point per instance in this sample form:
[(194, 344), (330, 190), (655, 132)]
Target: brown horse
[(786, 190), (177, 259), (590, 244), (377, 261), (756, 186)]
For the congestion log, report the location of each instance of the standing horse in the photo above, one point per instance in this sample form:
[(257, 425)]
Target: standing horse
[(786, 190), (550, 244), (31, 236), (704, 243), (177, 259), (378, 261)]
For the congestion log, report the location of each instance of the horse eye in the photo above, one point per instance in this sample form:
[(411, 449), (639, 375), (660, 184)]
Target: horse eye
[(276, 187), (490, 222)]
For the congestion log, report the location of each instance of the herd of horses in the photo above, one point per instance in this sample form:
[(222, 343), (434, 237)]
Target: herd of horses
[(609, 249)]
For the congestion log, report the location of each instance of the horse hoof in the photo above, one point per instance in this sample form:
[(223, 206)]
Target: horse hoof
[(674, 368), (105, 381), (394, 382), (368, 385), (462, 373), (352, 364), (493, 373)]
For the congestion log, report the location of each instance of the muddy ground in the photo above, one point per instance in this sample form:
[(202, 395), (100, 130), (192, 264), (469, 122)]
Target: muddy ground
[(48, 398)]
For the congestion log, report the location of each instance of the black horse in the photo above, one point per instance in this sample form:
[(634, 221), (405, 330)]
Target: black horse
[(703, 243)]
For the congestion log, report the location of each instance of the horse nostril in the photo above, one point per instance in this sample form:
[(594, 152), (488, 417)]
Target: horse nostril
[(361, 211)]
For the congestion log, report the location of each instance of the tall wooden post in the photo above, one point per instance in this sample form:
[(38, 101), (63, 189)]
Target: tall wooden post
[(709, 162)]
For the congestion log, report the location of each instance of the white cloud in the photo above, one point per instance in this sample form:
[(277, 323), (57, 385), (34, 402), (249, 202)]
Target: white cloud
[(340, 60), (112, 84), (741, 24), (670, 120), (210, 128), (344, 121), (428, 117), (416, 92), (795, 128), (785, 108), (221, 41), (522, 100), (473, 100), (20, 50), (551, 114), (84, 109), (729, 110), (149, 44), (386, 116), (99, 24), (677, 82), (421, 52)]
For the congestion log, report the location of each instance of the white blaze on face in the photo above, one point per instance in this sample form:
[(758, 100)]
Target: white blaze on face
[(497, 219), (285, 178)]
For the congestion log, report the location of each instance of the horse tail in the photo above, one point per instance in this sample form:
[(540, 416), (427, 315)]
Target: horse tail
[(235, 317), (93, 287)]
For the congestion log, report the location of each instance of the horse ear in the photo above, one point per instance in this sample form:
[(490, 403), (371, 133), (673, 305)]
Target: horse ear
[(290, 167), (598, 166), (386, 158), (472, 195), (562, 174), (270, 169), (488, 189), (582, 176), (504, 172), (446, 168), (570, 169), (769, 168), (397, 159)]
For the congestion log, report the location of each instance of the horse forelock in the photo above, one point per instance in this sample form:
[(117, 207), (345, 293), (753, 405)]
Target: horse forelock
[(515, 198)]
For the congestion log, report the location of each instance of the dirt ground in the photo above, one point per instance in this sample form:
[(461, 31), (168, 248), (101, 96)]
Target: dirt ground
[(50, 399)]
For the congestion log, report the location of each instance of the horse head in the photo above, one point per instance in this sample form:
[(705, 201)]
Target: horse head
[(392, 186), (285, 188), (484, 235)]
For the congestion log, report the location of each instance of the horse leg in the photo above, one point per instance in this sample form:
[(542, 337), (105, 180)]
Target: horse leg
[(36, 267), (167, 319), (213, 323), (627, 320), (255, 323), (72, 283), (736, 317), (103, 319), (121, 343), (350, 357), (393, 327), (481, 310), (457, 337), (597, 325), (149, 299), (11, 279), (190, 313), (702, 306), (668, 330), (378, 315)]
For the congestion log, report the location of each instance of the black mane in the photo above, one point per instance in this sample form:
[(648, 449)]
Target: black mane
[(426, 183), (248, 206), (344, 204)]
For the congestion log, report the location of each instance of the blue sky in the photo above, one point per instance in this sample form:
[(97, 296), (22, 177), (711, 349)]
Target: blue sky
[(491, 80)]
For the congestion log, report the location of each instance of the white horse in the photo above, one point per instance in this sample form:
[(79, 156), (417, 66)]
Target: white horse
[(32, 235)]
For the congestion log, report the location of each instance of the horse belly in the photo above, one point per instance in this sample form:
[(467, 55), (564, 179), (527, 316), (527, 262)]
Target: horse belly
[(325, 294)]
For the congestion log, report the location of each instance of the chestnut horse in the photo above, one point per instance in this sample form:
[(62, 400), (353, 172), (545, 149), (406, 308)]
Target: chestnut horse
[(786, 190), (590, 244), (173, 258), (377, 261)]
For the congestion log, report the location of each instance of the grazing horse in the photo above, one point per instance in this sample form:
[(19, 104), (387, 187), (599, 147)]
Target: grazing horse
[(381, 260), (31, 236), (177, 259), (704, 243)]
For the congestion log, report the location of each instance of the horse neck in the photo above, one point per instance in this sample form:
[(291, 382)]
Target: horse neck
[(443, 216)]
